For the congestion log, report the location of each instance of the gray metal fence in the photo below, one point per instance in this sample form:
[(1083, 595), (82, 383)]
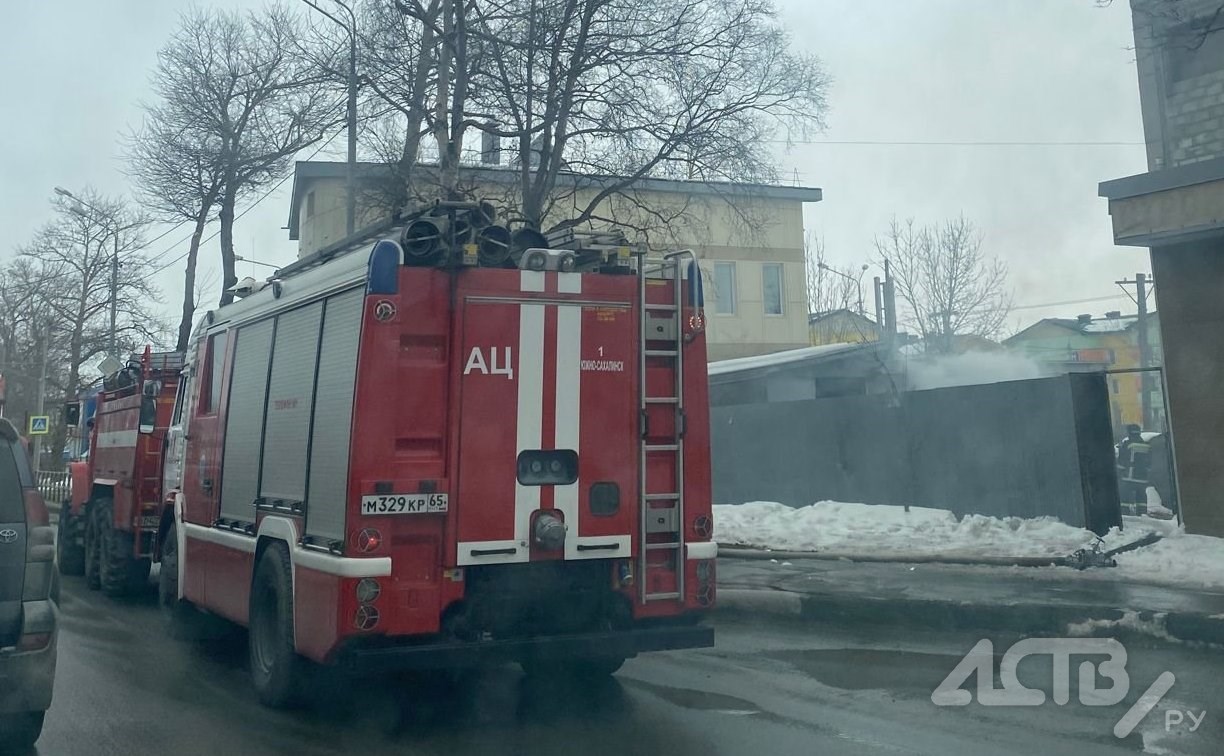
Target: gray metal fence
[(55, 487)]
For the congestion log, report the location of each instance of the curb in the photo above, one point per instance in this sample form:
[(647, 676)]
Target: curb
[(731, 552), (1027, 619)]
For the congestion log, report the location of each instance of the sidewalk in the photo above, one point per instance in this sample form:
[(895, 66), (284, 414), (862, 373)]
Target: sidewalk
[(1027, 600)]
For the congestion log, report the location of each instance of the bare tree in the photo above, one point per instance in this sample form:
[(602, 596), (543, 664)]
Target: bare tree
[(596, 95), (178, 173), (73, 256), (946, 283), (240, 85), (621, 90)]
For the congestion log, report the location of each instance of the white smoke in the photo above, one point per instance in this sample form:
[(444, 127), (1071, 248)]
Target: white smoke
[(972, 368)]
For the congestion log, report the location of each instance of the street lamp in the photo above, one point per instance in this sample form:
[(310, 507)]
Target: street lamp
[(240, 258), (79, 209), (351, 168), (858, 282)]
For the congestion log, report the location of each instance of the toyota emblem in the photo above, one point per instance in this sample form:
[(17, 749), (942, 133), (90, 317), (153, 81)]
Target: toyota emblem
[(8, 535)]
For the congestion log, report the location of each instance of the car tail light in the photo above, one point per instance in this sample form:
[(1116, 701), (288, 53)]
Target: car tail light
[(33, 642), (35, 509)]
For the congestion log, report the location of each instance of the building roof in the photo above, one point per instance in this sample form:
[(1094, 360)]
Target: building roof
[(816, 317), (1117, 324), (788, 358), (309, 170)]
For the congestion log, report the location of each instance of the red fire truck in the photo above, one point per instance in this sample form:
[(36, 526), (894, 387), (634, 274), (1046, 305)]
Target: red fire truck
[(435, 447), (108, 529)]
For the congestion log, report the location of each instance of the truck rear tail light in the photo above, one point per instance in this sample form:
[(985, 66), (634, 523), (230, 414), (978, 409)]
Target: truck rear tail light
[(703, 526), (35, 508), (367, 590), (366, 617), (33, 642), (368, 539)]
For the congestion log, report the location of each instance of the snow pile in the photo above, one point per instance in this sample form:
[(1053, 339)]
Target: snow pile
[(1178, 559), (889, 531)]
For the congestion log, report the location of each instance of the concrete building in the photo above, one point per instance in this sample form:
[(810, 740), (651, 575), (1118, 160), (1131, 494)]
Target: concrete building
[(749, 237), (1175, 210), (1086, 344)]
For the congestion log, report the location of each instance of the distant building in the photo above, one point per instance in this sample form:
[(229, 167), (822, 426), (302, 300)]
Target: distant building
[(749, 237), (841, 327), (1088, 344), (817, 372), (935, 345)]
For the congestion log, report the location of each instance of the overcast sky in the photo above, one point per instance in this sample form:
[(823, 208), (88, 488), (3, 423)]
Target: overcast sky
[(967, 71)]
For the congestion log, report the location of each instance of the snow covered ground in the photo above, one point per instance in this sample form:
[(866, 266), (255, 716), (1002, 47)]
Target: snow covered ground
[(838, 528)]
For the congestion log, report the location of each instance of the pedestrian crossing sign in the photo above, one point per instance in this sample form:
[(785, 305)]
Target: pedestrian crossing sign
[(40, 425)]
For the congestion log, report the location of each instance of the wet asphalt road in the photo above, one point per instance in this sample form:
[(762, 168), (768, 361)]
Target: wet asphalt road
[(123, 688)]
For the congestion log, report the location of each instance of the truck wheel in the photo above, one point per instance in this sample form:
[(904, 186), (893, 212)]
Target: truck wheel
[(121, 573), (276, 667), (22, 730), (69, 549), (93, 556), (182, 620)]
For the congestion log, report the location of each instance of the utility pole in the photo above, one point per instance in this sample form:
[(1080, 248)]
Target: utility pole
[(878, 288), (1141, 282)]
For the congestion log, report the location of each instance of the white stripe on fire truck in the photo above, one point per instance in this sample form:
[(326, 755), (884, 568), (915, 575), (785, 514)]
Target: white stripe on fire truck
[(531, 280), (117, 439), (568, 418), (530, 408), (569, 283)]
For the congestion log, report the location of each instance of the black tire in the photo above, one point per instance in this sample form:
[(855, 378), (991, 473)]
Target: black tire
[(276, 668), (183, 622), (19, 732), (69, 549), (120, 572), (93, 555)]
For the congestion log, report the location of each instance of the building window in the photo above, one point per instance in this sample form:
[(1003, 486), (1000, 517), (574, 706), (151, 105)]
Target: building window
[(724, 288), (772, 291), (310, 204)]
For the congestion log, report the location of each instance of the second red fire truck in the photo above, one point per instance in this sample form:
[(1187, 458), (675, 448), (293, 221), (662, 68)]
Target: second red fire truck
[(440, 445)]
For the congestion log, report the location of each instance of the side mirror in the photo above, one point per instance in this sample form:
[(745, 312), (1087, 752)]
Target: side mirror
[(148, 413)]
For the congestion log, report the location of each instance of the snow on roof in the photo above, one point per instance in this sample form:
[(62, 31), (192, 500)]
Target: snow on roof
[(1110, 325), (779, 358)]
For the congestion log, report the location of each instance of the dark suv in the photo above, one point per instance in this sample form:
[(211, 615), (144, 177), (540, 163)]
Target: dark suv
[(27, 611)]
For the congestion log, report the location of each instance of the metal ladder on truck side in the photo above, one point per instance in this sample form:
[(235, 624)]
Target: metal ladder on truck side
[(661, 526)]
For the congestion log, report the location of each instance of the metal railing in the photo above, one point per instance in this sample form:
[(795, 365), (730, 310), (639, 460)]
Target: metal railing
[(55, 487)]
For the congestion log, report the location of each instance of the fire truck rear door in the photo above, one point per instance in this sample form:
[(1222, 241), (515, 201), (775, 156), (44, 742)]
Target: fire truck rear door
[(546, 378)]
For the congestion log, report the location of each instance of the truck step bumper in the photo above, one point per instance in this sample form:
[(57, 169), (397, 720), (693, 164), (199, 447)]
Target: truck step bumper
[(450, 655)]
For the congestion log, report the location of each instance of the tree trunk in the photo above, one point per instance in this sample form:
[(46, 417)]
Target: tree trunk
[(226, 214), (193, 252)]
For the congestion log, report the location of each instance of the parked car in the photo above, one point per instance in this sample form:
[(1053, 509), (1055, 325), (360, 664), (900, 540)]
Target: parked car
[(28, 584)]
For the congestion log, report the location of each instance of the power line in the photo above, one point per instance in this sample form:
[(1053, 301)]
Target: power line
[(1111, 298), (248, 209)]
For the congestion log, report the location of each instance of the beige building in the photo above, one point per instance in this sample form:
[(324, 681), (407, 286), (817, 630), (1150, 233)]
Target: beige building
[(749, 236)]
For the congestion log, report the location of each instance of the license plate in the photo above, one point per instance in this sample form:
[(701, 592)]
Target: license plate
[(404, 504)]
